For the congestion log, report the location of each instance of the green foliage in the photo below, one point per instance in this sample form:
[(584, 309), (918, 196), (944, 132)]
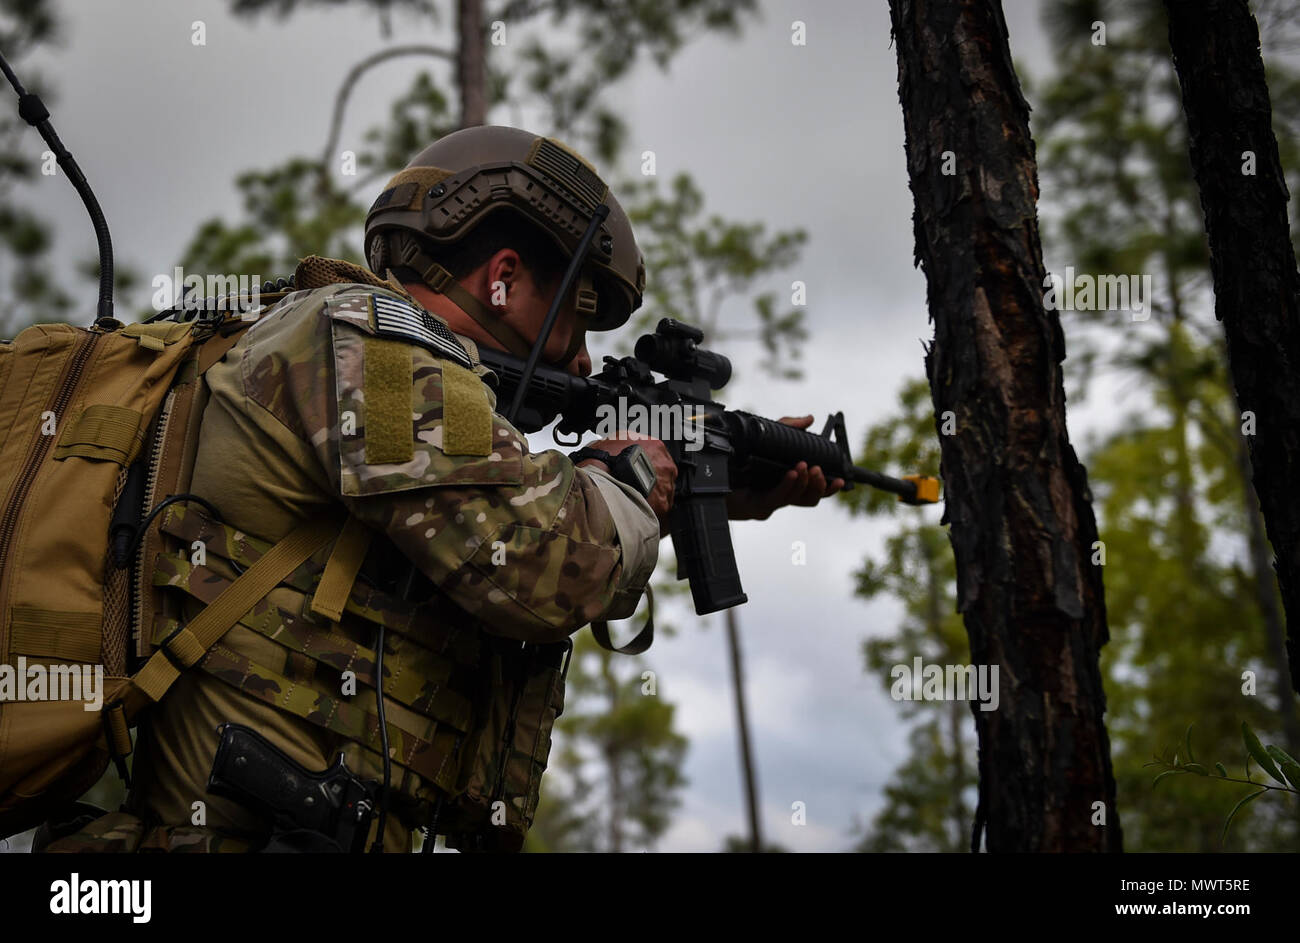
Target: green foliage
[(1273, 760)]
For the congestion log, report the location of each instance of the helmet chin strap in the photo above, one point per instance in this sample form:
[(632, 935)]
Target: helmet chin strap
[(584, 311), (409, 253), (586, 304)]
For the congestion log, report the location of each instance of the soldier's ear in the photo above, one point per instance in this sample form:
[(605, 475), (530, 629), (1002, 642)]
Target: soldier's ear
[(503, 267)]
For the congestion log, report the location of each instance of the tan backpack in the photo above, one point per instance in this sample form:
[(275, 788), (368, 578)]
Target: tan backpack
[(97, 426)]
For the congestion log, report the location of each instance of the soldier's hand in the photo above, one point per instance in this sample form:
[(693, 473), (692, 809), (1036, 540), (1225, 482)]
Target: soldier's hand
[(661, 498), (802, 486)]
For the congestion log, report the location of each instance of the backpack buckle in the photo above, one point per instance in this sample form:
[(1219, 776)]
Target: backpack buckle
[(165, 647), (116, 729)]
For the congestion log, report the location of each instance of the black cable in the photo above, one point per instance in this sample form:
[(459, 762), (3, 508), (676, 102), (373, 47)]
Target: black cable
[(32, 110), (535, 354), (378, 845), (158, 508)]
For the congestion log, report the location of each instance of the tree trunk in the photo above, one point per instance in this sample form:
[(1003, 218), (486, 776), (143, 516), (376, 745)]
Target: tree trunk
[(742, 731), (613, 750), (1266, 597), (1216, 54), (471, 63), (1022, 527)]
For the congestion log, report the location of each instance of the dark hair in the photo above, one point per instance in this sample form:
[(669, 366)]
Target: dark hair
[(537, 252)]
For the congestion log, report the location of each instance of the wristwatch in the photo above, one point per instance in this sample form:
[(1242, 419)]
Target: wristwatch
[(630, 466)]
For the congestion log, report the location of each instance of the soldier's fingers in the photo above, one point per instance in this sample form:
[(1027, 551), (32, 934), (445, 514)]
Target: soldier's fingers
[(799, 422), (816, 486), (786, 490), (783, 494)]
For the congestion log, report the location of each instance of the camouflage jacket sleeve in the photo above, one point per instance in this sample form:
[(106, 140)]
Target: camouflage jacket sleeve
[(527, 543)]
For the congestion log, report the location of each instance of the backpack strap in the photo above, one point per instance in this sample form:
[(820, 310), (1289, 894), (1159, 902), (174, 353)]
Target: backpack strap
[(341, 570), (639, 644), (189, 642)]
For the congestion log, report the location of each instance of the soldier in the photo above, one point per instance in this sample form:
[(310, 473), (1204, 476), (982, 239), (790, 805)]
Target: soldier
[(361, 392)]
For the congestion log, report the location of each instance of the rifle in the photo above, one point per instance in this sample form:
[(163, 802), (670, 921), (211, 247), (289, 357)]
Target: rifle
[(730, 448)]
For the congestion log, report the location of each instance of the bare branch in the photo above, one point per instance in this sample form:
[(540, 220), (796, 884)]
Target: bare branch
[(353, 76)]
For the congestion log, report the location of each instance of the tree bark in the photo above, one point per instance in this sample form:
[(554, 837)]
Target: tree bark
[(471, 63), (1017, 498), (1270, 612), (1216, 54), (742, 732), (613, 755)]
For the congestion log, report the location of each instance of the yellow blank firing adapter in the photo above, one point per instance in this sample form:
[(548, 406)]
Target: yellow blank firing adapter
[(927, 489)]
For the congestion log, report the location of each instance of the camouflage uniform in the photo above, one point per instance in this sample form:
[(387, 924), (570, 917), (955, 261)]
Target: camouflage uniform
[(283, 439)]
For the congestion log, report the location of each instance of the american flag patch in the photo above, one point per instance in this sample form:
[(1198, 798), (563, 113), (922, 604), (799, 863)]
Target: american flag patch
[(398, 319)]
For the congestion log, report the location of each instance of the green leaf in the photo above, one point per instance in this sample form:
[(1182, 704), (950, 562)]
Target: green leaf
[(1258, 752), (1282, 756), (1187, 739), (1222, 770), (1168, 772), (1290, 768), (1236, 809), (1292, 772), (1196, 768)]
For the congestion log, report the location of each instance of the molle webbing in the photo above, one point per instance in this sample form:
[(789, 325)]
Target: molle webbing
[(437, 624), (415, 675), (427, 662), (186, 644), (427, 751)]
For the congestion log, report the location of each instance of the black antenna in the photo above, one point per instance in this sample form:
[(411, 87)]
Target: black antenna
[(32, 110)]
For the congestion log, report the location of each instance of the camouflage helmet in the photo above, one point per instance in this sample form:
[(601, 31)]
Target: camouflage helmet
[(452, 185)]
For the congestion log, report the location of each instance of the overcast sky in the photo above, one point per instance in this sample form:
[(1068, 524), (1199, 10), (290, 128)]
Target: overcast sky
[(806, 137)]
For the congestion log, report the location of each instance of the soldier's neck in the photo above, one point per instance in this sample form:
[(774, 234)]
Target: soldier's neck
[(449, 311)]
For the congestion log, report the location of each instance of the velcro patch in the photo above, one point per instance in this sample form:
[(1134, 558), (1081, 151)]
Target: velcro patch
[(388, 402), (466, 415), (399, 320)]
